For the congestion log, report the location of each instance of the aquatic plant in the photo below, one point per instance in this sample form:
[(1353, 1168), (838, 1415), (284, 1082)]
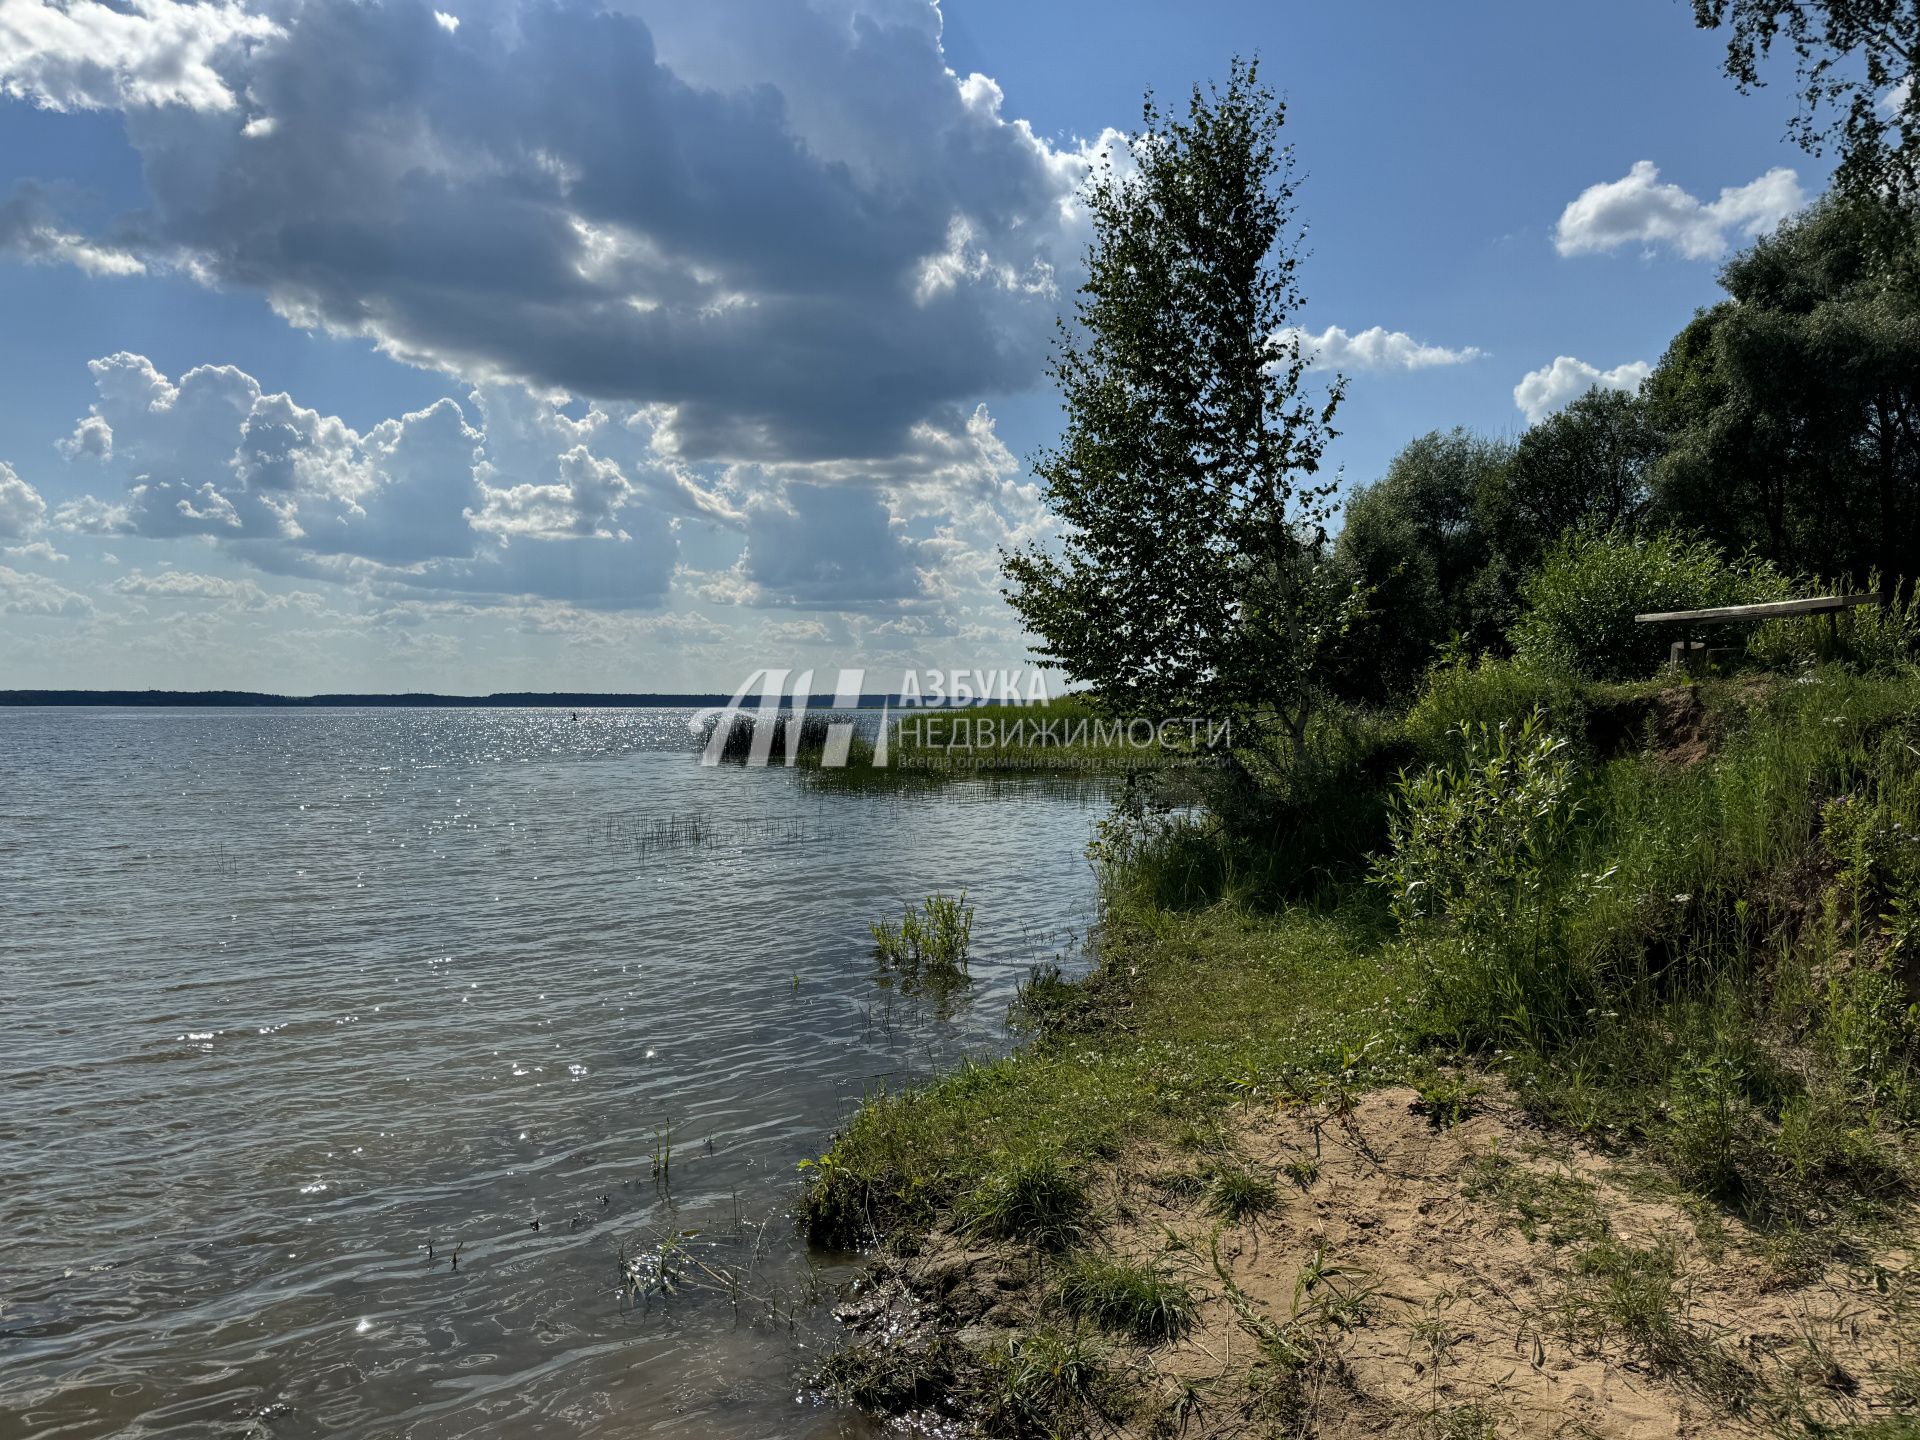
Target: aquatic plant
[(932, 940), (663, 1154)]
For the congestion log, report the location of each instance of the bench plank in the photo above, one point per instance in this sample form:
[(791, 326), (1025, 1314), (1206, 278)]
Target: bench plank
[(1772, 610)]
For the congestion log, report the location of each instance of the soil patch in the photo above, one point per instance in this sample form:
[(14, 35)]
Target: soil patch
[(1412, 1268)]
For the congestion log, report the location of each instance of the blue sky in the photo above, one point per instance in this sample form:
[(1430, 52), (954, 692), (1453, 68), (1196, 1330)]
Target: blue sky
[(632, 347)]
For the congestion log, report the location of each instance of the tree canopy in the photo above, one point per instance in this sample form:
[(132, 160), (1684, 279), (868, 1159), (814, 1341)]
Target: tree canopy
[(1854, 60), (1191, 577), (1790, 413), (1586, 468), (1418, 544), (1195, 575)]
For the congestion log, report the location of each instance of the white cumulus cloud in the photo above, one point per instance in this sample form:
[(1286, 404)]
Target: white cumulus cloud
[(1541, 392), (187, 585), (82, 55), (291, 490), (508, 494), (1640, 208), (37, 550), (1376, 349), (91, 439), (22, 593), (21, 508)]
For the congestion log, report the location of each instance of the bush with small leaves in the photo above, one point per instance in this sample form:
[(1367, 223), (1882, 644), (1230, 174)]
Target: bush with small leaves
[(1580, 604)]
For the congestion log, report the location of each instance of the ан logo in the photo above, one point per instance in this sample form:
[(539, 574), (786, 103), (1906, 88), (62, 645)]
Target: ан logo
[(777, 698)]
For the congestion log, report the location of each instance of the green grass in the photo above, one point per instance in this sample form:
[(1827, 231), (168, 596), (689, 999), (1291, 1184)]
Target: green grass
[(1035, 1198), (890, 1379), (1897, 1427), (1465, 1422), (1065, 734), (1634, 1296), (1065, 742), (1190, 1007), (1545, 1205), (1043, 1385), (1061, 737), (1708, 961), (1632, 1292), (1302, 1170), (1694, 914), (1238, 1195), (1140, 1301)]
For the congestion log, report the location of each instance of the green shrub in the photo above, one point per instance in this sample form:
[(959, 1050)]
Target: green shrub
[(1882, 638), (1711, 1127), (1446, 1099), (1256, 830), (1468, 877), (1470, 840), (1580, 604), (1460, 698)]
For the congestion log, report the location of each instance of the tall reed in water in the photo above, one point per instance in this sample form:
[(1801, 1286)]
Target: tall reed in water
[(932, 940)]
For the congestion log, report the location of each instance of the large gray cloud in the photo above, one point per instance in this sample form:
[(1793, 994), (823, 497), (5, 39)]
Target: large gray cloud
[(803, 250), (828, 546), (779, 249)]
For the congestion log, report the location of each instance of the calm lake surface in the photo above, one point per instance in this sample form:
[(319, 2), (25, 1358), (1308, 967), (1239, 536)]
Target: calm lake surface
[(288, 995)]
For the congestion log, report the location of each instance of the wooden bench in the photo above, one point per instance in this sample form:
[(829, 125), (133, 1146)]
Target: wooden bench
[(1693, 655)]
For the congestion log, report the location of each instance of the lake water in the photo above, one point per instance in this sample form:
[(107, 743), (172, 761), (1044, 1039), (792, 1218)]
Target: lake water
[(287, 996)]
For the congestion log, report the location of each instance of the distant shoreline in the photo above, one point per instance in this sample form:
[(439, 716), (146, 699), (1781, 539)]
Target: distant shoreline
[(259, 700)]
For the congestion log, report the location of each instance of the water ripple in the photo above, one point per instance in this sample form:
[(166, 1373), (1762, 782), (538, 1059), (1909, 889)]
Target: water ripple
[(291, 996)]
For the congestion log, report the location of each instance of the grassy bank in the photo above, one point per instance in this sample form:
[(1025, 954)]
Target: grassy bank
[(1660, 939)]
